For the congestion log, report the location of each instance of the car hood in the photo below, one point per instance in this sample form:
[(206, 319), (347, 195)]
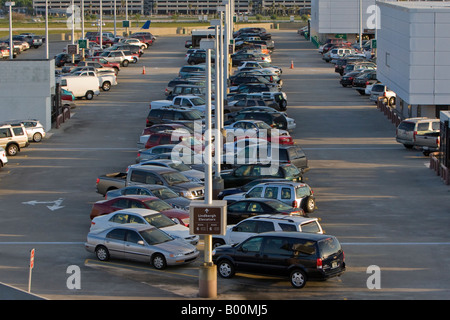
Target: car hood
[(235, 197), (177, 246), (181, 203), (194, 173), (187, 186)]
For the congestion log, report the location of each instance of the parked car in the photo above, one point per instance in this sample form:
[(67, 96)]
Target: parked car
[(154, 246), (249, 172), (86, 87), (409, 129), (301, 256), (259, 129), (266, 223), (119, 56), (163, 193), (192, 174), (62, 58), (250, 207), (186, 89), (274, 118), (3, 157), (172, 114), (13, 137), (251, 65), (380, 90), (147, 217), (127, 201), (35, 130)]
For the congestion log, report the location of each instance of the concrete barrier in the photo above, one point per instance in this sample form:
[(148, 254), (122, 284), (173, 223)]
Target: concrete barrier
[(444, 173)]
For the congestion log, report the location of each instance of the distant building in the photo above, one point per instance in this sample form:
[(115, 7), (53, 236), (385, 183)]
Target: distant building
[(62, 7)]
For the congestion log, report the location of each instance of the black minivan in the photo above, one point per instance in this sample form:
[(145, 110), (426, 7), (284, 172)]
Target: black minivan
[(301, 256)]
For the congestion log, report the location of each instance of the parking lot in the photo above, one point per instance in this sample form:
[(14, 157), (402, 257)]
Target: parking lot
[(379, 199)]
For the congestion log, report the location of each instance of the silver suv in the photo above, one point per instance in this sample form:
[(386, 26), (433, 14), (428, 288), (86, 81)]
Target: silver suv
[(409, 129), (35, 130), (13, 138), (295, 194), (265, 223)]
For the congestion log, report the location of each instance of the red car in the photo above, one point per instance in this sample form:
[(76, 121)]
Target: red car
[(139, 201), (105, 40)]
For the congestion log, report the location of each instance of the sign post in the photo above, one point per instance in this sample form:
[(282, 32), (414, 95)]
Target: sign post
[(31, 268)]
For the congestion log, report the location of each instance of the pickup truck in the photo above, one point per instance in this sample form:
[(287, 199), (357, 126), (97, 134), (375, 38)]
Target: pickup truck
[(142, 175), (427, 142), (105, 79), (191, 101)]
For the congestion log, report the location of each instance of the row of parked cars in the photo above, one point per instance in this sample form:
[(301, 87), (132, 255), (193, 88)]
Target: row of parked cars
[(21, 42), (359, 71), (268, 206)]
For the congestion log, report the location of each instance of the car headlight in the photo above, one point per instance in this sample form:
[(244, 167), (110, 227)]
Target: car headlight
[(175, 255), (186, 194), (213, 252)]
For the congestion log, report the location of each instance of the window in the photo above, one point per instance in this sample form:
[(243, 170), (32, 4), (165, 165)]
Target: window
[(135, 219), (271, 192), (116, 234), (302, 247), (237, 207), (286, 193), (5, 133), (287, 227), (422, 126), (152, 179), (119, 218), (252, 245), (121, 203), (136, 204), (133, 237), (302, 192), (137, 176), (265, 226), (255, 192), (276, 246), (310, 227), (255, 207), (243, 171), (246, 226)]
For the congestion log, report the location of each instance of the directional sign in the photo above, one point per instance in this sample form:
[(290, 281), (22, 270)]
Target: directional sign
[(56, 203), (207, 219)]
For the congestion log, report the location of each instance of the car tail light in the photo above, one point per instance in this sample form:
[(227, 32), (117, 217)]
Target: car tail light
[(294, 204), (414, 135), (98, 180), (319, 263)]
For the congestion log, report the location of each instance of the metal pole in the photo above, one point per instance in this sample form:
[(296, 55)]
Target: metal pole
[(101, 24), (219, 100), (11, 43), (360, 25), (72, 16), (225, 52), (126, 14), (115, 10), (208, 155), (46, 31), (82, 18)]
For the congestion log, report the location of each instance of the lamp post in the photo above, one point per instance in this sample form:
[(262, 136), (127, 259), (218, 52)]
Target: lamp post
[(46, 30), (11, 43)]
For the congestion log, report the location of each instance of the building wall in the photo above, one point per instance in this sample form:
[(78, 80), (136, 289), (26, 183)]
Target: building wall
[(339, 16), (26, 87), (413, 50)]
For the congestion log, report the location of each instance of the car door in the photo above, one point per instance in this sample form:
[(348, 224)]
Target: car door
[(276, 253), (248, 254), (243, 231), (115, 242), (235, 211), (135, 248)]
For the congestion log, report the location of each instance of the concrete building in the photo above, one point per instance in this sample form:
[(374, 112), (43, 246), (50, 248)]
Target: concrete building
[(341, 19), (413, 43), (62, 7), (26, 89)]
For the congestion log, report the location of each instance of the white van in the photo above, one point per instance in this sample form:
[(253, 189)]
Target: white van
[(81, 86)]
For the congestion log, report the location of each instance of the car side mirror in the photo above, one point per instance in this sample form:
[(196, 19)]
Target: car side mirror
[(141, 242), (235, 228), (246, 195)]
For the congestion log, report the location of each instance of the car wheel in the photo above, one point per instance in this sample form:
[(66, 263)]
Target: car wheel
[(106, 86), (298, 279), (310, 205), (37, 137), (283, 105), (408, 146), (217, 242), (12, 150), (89, 95), (226, 268), (102, 253), (125, 63), (158, 261)]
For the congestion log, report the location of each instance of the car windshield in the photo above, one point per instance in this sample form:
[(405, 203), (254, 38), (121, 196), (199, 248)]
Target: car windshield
[(157, 205), (278, 205), (163, 194), (155, 236), (291, 171), (194, 115), (265, 64), (198, 101), (179, 166), (174, 178), (159, 220)]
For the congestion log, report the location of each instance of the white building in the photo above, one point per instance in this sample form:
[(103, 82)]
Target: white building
[(413, 43), (26, 89), (342, 18)]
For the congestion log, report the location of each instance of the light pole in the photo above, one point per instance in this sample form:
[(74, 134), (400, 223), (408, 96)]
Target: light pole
[(46, 30), (11, 43)]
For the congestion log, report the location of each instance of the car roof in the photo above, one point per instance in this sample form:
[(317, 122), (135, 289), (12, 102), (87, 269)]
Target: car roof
[(297, 219), (139, 211), (137, 196), (284, 182), (154, 168), (296, 234)]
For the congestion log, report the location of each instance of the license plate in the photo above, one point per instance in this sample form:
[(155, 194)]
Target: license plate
[(334, 264)]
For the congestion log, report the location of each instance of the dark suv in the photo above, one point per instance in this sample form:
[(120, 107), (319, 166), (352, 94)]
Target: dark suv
[(170, 114), (301, 256)]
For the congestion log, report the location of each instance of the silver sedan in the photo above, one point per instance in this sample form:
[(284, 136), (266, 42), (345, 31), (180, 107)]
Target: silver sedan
[(140, 243)]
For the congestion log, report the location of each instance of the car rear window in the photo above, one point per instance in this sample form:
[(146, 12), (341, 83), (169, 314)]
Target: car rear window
[(377, 88), (406, 125), (422, 126), (302, 191), (328, 247), (310, 227)]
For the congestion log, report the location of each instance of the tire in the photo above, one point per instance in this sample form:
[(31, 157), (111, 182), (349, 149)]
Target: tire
[(134, 60), (225, 268), (106, 86), (297, 279), (12, 150), (408, 146), (310, 205), (158, 261), (283, 105), (102, 253), (125, 63), (89, 95), (37, 137), (217, 242)]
